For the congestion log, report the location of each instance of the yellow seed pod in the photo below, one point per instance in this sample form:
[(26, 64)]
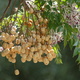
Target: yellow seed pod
[(35, 61), (45, 21), (13, 32), (50, 57), (22, 50), (31, 10), (11, 45), (16, 72), (13, 55), (37, 36), (5, 45), (40, 19), (43, 30), (3, 38), (43, 37), (43, 47), (50, 41), (6, 51), (42, 41), (13, 60), (39, 47), (40, 59), (23, 41), (39, 40), (33, 35), (49, 47), (32, 49), (40, 51), (12, 37), (18, 41), (23, 60), (46, 61), (6, 35), (29, 58), (30, 39), (3, 34), (36, 22)]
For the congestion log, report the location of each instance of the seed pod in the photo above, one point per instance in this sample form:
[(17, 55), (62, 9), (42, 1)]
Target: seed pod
[(37, 36), (49, 47), (36, 22), (3, 38), (40, 19), (30, 20), (32, 49), (12, 37), (50, 41), (5, 45), (16, 72), (46, 61), (45, 21), (35, 61), (31, 10), (29, 58), (3, 34), (6, 35), (43, 37), (11, 45), (22, 50), (29, 24), (43, 47), (23, 60), (13, 60), (13, 32), (50, 57), (18, 41), (13, 55)]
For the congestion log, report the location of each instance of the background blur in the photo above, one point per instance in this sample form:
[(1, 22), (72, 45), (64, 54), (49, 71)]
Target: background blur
[(69, 70)]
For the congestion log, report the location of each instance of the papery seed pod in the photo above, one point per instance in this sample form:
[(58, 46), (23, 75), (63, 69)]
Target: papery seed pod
[(43, 30), (5, 45), (22, 50), (41, 52), (23, 60), (12, 37), (40, 59), (36, 22), (31, 10), (45, 21), (29, 58), (32, 49), (40, 19), (50, 41), (3, 34), (43, 47), (35, 61), (46, 61), (13, 32), (18, 41), (39, 40), (49, 47), (13, 60), (16, 72), (11, 45), (37, 36), (30, 20), (50, 57), (6, 35), (29, 24), (13, 55), (43, 37), (33, 35), (3, 38)]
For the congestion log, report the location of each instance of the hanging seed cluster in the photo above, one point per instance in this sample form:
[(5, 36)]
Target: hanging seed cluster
[(35, 44), (36, 47)]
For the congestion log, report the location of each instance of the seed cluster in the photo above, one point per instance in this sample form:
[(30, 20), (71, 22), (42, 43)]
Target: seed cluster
[(37, 46)]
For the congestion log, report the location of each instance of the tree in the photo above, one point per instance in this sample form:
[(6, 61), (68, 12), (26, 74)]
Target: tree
[(42, 25)]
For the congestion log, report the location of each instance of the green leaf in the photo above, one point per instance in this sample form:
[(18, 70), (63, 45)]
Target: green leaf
[(76, 51)]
